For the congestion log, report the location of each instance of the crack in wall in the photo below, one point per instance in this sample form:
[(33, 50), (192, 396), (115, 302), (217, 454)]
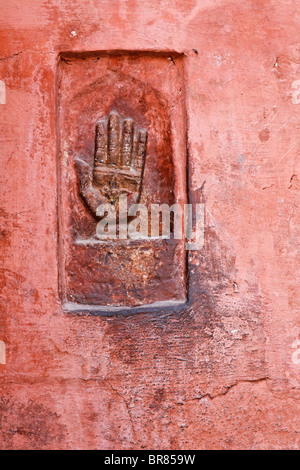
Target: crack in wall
[(228, 388), (126, 405)]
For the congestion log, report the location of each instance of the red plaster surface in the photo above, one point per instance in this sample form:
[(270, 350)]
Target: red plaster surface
[(222, 373), (150, 90)]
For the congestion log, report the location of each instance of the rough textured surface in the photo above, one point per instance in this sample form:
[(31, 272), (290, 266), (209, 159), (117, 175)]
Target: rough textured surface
[(220, 373)]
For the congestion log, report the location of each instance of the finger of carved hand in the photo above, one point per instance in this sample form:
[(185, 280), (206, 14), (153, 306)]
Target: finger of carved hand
[(113, 138), (127, 142), (93, 198), (141, 150), (101, 143), (90, 195), (84, 172)]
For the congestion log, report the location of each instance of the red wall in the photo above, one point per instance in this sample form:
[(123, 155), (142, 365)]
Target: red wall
[(224, 374)]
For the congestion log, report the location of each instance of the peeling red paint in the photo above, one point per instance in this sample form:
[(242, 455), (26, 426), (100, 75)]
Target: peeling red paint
[(220, 371)]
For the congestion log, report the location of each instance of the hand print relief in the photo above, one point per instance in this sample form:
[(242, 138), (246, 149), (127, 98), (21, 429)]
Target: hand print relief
[(118, 164)]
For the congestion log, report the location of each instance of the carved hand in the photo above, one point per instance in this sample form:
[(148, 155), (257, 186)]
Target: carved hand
[(118, 163)]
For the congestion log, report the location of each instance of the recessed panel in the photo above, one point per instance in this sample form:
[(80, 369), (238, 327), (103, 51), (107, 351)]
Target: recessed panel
[(121, 133)]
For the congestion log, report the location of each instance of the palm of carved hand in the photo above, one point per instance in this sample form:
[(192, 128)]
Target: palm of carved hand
[(118, 164)]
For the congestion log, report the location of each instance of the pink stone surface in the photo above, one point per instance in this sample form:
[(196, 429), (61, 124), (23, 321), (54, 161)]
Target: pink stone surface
[(225, 373)]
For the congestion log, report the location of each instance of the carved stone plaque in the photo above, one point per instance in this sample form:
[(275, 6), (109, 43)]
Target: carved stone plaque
[(122, 133)]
